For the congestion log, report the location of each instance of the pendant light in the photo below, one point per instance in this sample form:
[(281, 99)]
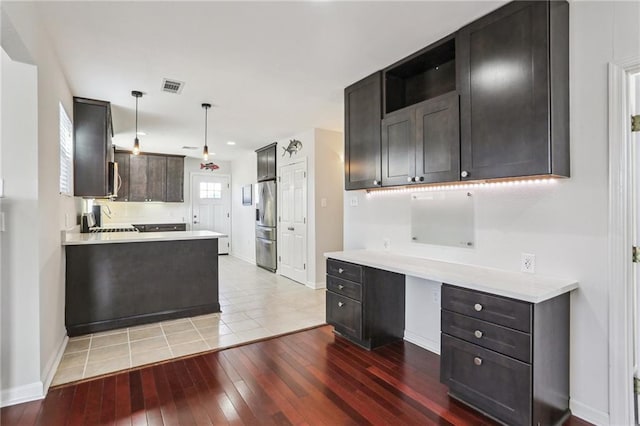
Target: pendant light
[(205, 151), (136, 143)]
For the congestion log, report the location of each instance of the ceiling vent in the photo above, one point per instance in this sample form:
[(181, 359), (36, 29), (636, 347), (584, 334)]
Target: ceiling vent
[(172, 86)]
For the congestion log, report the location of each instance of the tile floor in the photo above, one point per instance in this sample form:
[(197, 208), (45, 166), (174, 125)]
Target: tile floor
[(255, 304)]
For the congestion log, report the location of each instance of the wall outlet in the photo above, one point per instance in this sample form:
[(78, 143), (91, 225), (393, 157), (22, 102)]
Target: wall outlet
[(386, 244), (528, 263), (354, 201), (323, 202), (435, 297)]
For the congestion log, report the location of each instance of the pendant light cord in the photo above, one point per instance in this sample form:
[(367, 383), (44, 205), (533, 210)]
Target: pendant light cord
[(206, 129), (136, 135)]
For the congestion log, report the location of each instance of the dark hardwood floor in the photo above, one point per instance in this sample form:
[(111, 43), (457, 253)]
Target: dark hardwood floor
[(307, 378)]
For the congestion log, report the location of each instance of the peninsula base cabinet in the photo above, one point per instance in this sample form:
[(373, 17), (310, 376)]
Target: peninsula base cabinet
[(507, 358), (365, 305)]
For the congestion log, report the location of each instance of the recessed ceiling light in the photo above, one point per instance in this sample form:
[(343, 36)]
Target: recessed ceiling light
[(190, 147), (231, 143), (141, 133)]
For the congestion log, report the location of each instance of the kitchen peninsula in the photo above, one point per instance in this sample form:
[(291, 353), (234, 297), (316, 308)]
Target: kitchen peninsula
[(122, 279)]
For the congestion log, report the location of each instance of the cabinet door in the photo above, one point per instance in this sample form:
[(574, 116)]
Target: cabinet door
[(398, 147), (138, 177), (91, 147), (122, 159), (156, 178), (504, 90), (363, 111), (271, 162), (438, 139), (175, 179), (263, 168)]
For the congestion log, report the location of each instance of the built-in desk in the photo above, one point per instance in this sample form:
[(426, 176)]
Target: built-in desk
[(503, 336)]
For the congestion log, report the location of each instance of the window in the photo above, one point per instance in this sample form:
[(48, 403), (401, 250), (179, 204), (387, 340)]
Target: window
[(211, 190), (66, 153)]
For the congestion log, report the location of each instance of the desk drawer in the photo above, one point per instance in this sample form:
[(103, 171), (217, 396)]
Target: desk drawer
[(501, 339), (487, 380), (344, 270), (344, 288), (495, 309), (344, 314)]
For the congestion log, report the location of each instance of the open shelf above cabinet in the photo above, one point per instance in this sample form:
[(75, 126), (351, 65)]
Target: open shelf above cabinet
[(424, 75)]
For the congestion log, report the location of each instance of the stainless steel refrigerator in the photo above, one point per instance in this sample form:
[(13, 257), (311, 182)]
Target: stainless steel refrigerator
[(266, 230)]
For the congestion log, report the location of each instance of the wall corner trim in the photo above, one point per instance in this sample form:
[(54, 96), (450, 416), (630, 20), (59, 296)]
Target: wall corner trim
[(316, 286), (20, 394), (54, 362)]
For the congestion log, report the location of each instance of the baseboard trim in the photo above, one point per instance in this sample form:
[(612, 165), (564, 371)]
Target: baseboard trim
[(20, 394), (246, 259), (588, 413), (427, 344), (54, 362), (316, 286)]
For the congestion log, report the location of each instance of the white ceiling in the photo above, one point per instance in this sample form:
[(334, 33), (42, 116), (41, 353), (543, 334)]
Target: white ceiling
[(271, 69)]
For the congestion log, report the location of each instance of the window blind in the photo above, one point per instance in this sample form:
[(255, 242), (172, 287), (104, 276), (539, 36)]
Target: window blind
[(66, 153)]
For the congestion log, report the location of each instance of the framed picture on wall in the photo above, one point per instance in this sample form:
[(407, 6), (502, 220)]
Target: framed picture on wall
[(246, 195)]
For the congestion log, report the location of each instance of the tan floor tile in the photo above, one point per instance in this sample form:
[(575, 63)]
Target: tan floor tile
[(150, 357), (145, 333), (177, 327), (184, 337), (206, 322), (255, 334), (228, 340), (233, 316), (107, 366), (67, 375), (74, 359), (237, 326), (189, 348), (108, 332), (76, 345), (146, 345), (143, 326), (175, 321), (108, 352), (209, 332), (109, 340)]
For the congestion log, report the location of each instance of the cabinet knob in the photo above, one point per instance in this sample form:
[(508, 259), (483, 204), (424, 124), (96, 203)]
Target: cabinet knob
[(377, 182), (409, 179), (340, 287), (477, 307), (477, 361), (418, 179), (340, 270), (478, 334), (340, 304), (464, 173)]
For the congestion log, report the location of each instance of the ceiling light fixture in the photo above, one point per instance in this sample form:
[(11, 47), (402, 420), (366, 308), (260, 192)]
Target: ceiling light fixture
[(136, 143), (231, 143), (205, 151)]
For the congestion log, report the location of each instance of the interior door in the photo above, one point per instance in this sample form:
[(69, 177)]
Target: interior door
[(292, 242), (211, 207)]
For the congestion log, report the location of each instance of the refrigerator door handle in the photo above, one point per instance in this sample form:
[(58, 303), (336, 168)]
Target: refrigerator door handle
[(257, 214)]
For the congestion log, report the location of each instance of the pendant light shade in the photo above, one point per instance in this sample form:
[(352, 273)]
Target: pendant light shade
[(136, 143), (205, 151)]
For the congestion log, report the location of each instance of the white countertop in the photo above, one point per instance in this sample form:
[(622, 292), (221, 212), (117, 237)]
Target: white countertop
[(77, 238), (517, 285)]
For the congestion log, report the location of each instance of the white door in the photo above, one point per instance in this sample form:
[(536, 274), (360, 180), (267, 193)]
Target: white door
[(211, 206), (292, 242)]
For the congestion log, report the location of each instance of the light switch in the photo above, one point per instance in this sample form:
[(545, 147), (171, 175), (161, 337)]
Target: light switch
[(354, 201), (323, 202)]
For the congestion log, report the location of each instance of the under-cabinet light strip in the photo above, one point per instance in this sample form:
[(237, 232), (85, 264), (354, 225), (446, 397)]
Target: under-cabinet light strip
[(465, 186)]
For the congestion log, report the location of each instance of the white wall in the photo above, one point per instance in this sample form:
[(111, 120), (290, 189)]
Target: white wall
[(564, 225), (243, 218), (20, 332), (27, 40)]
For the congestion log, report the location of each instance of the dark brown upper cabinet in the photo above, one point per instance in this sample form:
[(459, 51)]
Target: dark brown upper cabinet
[(150, 177), (267, 162), (514, 92), (421, 144), (362, 115), (122, 159), (92, 147), (420, 129)]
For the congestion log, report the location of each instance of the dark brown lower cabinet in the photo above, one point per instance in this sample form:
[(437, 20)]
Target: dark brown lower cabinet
[(507, 358), (365, 305)]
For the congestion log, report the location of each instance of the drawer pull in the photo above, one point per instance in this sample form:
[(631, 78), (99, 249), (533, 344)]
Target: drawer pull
[(477, 361), (340, 270), (340, 287), (477, 307), (478, 334), (340, 304)]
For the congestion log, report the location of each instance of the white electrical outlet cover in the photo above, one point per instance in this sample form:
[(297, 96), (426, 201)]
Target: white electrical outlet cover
[(528, 263), (354, 201)]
